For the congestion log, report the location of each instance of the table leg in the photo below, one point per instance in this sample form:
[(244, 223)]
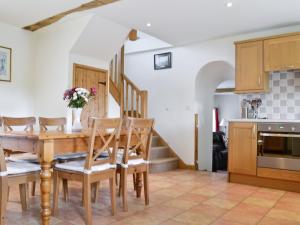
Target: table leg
[(46, 158), (139, 184), (3, 198)]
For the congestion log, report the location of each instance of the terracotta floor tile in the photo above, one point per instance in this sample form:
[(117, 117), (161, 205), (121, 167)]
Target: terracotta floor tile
[(173, 222), (260, 201), (209, 210), (162, 212), (193, 197), (180, 204), (288, 205), (226, 222), (246, 214), (221, 202), (170, 192), (284, 214), (206, 191), (274, 221), (232, 196), (194, 218), (177, 197)]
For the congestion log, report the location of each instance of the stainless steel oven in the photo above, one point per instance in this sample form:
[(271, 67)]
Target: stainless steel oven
[(279, 146)]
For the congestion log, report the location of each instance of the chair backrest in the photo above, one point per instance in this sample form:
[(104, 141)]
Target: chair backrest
[(106, 134), (2, 156), (10, 122), (60, 123), (142, 131)]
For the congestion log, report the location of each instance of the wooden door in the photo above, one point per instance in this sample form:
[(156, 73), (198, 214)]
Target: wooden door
[(242, 148), (282, 53), (87, 77), (249, 67)]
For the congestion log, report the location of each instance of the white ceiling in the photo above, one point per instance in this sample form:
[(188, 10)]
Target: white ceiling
[(174, 21), (186, 21), (26, 12)]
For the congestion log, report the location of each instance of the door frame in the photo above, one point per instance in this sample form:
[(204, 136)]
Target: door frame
[(77, 65), (196, 146)]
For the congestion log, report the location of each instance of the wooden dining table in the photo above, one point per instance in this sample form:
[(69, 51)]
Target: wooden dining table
[(46, 145)]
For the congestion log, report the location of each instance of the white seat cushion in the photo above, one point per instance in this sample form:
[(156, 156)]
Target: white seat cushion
[(14, 168), (131, 162), (23, 157), (78, 166)]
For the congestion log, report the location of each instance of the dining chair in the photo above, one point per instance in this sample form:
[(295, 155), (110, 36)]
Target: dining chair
[(135, 159), (10, 122), (15, 173), (27, 123), (104, 136), (59, 124)]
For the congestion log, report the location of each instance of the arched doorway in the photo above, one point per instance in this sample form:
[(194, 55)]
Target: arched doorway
[(207, 80)]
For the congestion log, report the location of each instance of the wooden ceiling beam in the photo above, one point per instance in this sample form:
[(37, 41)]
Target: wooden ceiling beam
[(55, 18)]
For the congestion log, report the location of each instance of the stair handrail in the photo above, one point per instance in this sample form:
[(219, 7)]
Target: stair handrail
[(132, 94), (132, 100)]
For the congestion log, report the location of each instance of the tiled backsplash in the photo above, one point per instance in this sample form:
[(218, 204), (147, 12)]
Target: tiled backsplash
[(283, 100)]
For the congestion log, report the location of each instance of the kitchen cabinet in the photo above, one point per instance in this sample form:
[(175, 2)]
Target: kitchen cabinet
[(282, 53), (242, 148), (250, 75)]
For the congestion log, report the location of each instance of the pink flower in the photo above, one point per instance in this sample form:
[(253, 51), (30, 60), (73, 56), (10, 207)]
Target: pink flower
[(93, 91)]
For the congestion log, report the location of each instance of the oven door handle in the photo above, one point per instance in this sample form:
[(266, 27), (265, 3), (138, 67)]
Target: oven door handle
[(279, 135)]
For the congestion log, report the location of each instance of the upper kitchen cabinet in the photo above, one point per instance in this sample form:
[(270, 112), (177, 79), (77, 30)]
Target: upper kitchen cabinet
[(282, 53), (250, 75)]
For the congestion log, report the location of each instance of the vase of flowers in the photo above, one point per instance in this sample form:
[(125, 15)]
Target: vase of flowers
[(77, 98)]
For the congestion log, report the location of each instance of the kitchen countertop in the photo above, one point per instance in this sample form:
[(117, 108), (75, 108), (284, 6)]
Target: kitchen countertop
[(263, 121)]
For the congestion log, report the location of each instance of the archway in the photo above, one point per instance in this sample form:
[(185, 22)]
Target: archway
[(207, 80)]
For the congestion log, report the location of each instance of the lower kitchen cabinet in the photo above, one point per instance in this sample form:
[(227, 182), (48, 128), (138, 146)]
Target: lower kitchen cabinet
[(242, 148)]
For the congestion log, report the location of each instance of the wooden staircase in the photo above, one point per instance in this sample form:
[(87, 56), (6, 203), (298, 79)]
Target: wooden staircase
[(133, 102), (162, 157)]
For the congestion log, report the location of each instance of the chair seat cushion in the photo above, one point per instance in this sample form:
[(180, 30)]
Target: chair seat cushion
[(23, 157), (78, 166), (77, 156), (131, 162), (70, 156), (14, 168)]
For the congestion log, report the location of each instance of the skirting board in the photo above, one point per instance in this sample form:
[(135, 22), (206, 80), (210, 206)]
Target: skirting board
[(264, 182)]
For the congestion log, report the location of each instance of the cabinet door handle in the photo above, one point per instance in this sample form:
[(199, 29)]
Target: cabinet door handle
[(253, 131), (259, 80)]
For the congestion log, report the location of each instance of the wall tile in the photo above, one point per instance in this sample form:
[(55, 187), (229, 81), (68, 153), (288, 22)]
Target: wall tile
[(290, 82), (283, 100)]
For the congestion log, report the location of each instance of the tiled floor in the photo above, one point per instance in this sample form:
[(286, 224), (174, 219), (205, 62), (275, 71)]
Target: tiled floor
[(177, 198)]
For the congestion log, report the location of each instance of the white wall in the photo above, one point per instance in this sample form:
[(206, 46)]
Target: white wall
[(42, 67), (53, 47), (207, 80), (229, 108), (101, 39), (17, 96), (228, 105), (172, 91)]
